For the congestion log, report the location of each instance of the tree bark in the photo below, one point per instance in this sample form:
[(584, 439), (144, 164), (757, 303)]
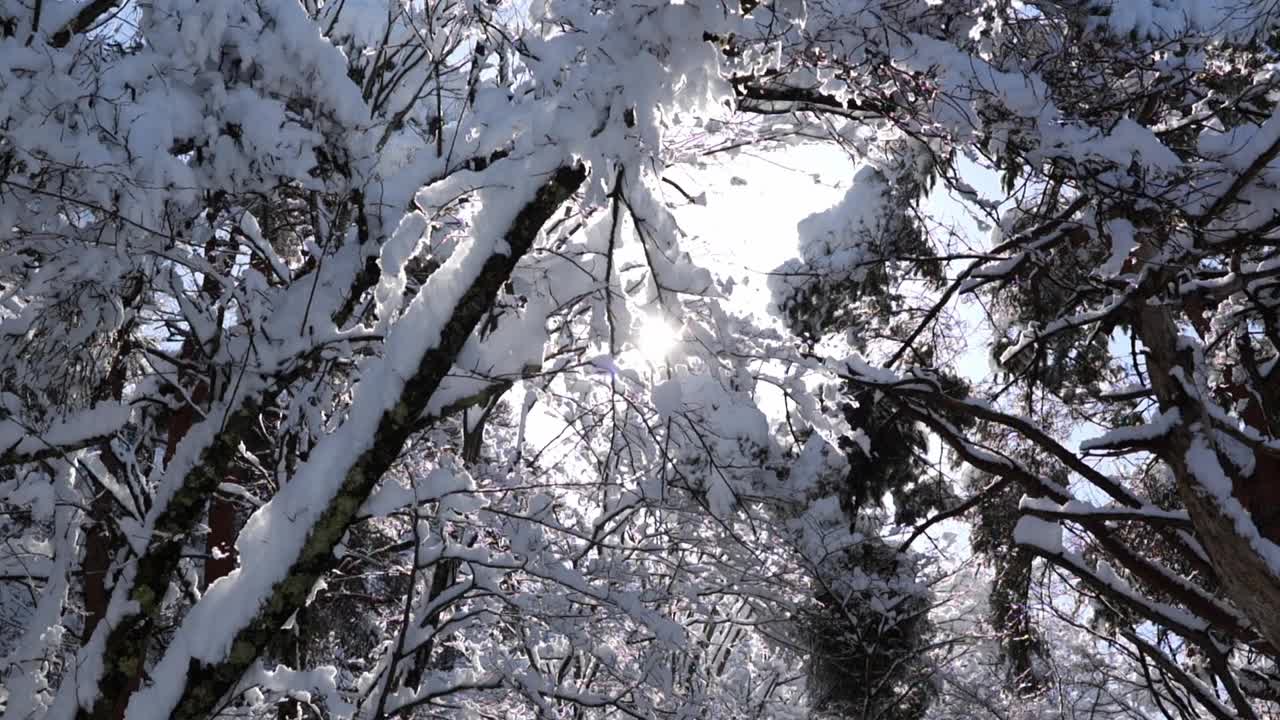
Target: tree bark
[(1249, 580), (1009, 616), (207, 683)]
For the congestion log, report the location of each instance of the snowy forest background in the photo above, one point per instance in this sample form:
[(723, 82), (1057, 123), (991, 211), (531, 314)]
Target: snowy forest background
[(702, 359)]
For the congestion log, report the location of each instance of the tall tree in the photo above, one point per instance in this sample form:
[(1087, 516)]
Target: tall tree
[(368, 287), (1127, 289)]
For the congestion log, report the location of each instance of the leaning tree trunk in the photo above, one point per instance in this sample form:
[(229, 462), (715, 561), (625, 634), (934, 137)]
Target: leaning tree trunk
[(207, 682), (1251, 582)]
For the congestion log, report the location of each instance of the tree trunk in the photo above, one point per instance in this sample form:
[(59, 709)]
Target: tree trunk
[(1009, 616), (1251, 583), (208, 682)]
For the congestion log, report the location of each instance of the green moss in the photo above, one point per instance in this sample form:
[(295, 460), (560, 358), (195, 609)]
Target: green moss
[(243, 653), (145, 597)]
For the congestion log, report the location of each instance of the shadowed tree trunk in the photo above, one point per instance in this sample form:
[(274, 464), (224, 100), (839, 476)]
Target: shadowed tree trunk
[(1018, 641)]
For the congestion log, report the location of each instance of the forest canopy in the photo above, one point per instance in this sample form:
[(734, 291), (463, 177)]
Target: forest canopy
[(413, 359)]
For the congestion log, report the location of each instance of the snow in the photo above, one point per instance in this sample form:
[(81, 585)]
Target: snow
[(287, 681), (249, 225), (1203, 465), (1123, 242), (632, 91), (102, 420), (1039, 533), (240, 492), (274, 535), (40, 641), (395, 254), (839, 243), (1163, 19), (1160, 426), (1179, 618), (35, 494), (1089, 511), (668, 398)]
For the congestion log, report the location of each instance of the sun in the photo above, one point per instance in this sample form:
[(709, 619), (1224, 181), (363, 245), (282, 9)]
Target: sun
[(655, 338)]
